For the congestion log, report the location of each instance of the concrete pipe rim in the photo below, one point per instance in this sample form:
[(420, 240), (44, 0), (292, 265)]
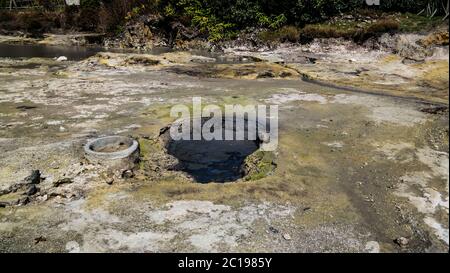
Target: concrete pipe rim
[(132, 147)]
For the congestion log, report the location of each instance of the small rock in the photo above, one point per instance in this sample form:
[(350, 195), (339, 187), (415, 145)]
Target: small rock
[(5, 191), (4, 204), (266, 74), (42, 198), (73, 247), (128, 174), (411, 61), (287, 237), (32, 190), (372, 247), (34, 178), (274, 230), (109, 181), (62, 181), (434, 110), (61, 59), (39, 239), (401, 241), (23, 201), (285, 74)]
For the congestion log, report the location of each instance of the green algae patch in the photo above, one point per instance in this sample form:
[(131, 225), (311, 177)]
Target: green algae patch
[(259, 165)]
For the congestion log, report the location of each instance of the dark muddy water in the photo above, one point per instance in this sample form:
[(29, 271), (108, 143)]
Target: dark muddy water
[(73, 53), (212, 161), (217, 160), (77, 53), (45, 51)]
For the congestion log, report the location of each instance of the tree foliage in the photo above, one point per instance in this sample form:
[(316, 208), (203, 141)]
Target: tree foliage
[(219, 19)]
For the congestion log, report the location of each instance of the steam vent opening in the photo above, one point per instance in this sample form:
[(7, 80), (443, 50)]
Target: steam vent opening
[(217, 161)]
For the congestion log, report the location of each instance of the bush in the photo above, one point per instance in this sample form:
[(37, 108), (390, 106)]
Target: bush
[(359, 34), (376, 29), (219, 19), (6, 16), (290, 34), (284, 34), (325, 31), (88, 19), (112, 14), (385, 25), (415, 6)]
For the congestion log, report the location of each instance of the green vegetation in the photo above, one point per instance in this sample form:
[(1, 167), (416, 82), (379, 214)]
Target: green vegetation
[(283, 20), (381, 23), (410, 22), (360, 26), (284, 34), (351, 30), (259, 165)]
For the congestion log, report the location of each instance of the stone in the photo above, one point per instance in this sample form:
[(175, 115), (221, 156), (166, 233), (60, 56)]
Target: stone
[(109, 181), (23, 201), (39, 239), (42, 198), (61, 59), (372, 247), (62, 181), (287, 237), (401, 241), (440, 38), (410, 50), (266, 74), (32, 190), (128, 174), (285, 74), (274, 230), (33, 178), (6, 191), (412, 61), (72, 247)]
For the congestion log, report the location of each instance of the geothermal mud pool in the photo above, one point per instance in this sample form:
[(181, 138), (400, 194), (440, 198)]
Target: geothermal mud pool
[(353, 172)]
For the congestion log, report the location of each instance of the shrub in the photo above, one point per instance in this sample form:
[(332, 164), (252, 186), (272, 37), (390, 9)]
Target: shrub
[(325, 31), (375, 29), (284, 34), (351, 31), (427, 7), (112, 14), (88, 19), (384, 25), (6, 16), (219, 19), (289, 33)]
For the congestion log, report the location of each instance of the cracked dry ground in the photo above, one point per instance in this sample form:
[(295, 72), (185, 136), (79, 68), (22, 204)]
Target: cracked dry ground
[(354, 172)]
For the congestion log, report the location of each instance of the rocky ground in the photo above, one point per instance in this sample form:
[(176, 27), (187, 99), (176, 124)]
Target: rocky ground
[(359, 169), (405, 65)]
